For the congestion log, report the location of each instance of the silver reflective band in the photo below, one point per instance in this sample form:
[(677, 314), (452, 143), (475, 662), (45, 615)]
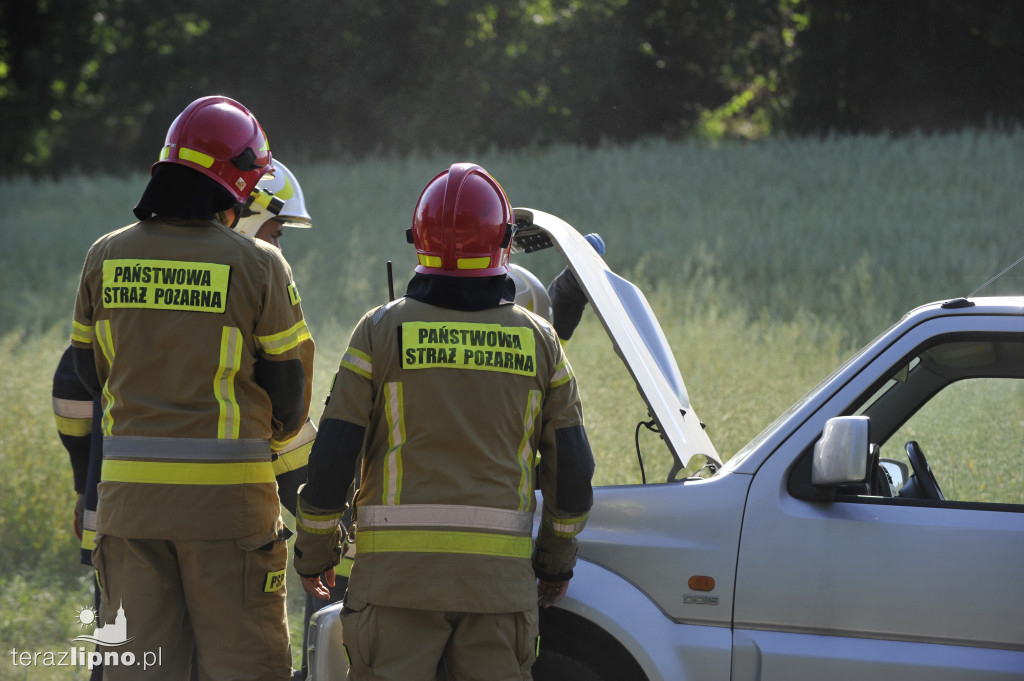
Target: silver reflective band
[(447, 515), (305, 436), (72, 409), (185, 448)]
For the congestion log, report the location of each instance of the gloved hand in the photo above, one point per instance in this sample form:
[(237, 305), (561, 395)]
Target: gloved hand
[(79, 514), (549, 593), (567, 298), (595, 240)]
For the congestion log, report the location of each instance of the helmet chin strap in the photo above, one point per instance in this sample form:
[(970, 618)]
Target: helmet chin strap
[(236, 214)]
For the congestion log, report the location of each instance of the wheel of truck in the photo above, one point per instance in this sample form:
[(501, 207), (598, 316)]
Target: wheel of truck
[(553, 666)]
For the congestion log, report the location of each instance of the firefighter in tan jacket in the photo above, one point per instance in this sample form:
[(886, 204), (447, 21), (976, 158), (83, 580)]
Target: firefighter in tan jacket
[(194, 338), (465, 405)]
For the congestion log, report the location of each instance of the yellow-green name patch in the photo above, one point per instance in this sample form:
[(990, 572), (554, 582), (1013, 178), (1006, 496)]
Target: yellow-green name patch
[(464, 345), (166, 285)]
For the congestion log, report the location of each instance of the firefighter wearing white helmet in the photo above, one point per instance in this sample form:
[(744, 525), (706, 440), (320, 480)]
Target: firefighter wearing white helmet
[(193, 338), (277, 202), (461, 405)]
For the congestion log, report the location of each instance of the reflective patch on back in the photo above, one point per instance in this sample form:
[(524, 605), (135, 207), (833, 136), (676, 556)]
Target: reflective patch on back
[(166, 285), (464, 345)]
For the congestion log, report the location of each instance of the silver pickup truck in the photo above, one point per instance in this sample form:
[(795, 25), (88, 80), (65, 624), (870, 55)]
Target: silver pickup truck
[(823, 549)]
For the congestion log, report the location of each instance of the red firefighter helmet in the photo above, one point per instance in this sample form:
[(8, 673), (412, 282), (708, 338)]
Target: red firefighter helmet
[(463, 224), (221, 139)]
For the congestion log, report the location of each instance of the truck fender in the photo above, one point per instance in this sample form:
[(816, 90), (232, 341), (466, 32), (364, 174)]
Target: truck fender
[(609, 624)]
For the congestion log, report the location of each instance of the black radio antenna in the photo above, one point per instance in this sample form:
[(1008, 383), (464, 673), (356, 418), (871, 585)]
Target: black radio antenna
[(391, 283)]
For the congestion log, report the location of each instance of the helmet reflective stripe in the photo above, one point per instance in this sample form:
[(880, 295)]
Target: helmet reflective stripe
[(197, 157), (473, 263)]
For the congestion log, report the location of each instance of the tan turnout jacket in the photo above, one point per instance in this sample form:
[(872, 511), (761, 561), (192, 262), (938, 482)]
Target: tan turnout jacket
[(461, 412), (178, 314)]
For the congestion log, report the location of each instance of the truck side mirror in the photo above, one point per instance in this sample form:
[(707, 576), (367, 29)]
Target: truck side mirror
[(841, 455)]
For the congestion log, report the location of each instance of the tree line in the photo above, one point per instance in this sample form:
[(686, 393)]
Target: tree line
[(93, 84)]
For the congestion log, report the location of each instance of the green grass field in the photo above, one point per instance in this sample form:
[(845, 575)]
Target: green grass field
[(768, 263)]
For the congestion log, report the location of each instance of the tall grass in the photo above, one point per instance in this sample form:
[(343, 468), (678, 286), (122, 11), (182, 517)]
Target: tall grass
[(767, 263)]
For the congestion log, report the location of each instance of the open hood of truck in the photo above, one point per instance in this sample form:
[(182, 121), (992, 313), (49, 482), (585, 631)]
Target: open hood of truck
[(633, 328)]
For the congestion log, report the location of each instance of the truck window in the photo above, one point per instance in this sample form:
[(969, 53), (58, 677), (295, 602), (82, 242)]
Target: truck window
[(955, 407), (972, 433)]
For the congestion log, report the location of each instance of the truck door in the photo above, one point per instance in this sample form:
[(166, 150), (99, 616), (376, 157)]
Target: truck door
[(908, 575)]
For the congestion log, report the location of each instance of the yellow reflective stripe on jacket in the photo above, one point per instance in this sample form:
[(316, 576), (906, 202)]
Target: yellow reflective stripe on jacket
[(73, 427), (105, 341), (563, 374), (89, 530), (446, 515), (526, 455), (344, 569), (228, 422), (81, 333), (565, 527), (316, 523), (445, 541), (187, 473), (280, 343), (394, 411), (74, 417), (88, 539), (358, 362), (293, 454)]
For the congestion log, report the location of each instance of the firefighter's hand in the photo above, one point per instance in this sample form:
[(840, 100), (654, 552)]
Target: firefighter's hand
[(549, 593), (79, 515), (315, 588)]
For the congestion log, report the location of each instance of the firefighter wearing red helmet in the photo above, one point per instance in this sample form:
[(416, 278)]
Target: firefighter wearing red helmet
[(460, 405), (193, 337)]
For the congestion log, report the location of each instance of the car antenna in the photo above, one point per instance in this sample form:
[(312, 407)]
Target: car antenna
[(964, 302)]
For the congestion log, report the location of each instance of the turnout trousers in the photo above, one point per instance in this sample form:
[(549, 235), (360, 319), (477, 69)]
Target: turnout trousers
[(401, 644), (224, 597)]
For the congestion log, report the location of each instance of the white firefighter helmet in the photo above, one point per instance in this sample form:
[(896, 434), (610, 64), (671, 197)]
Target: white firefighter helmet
[(530, 293), (277, 195)]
